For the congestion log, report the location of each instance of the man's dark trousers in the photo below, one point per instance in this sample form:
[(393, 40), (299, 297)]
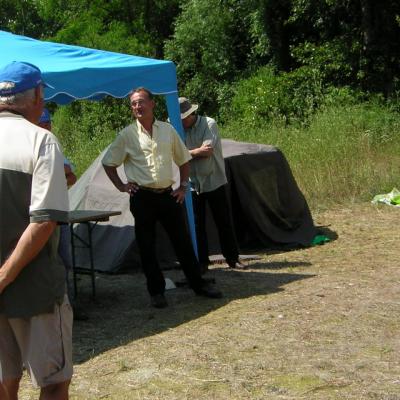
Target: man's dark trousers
[(219, 205), (147, 208)]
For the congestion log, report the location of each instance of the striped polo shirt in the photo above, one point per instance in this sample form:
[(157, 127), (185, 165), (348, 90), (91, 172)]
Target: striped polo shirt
[(32, 189)]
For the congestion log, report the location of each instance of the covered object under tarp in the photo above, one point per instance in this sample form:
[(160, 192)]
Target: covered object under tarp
[(268, 208)]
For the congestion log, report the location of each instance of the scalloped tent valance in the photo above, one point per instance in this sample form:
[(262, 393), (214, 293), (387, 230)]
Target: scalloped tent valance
[(83, 73)]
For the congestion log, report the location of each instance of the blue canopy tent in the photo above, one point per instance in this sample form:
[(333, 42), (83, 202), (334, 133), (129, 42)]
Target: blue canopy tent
[(79, 73)]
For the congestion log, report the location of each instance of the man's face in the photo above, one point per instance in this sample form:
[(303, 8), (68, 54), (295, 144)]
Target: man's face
[(142, 106), (189, 121), (38, 103)]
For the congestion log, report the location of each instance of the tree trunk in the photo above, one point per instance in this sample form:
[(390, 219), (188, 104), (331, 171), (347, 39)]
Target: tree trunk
[(379, 44)]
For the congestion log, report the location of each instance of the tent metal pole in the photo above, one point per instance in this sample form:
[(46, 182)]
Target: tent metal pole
[(175, 118)]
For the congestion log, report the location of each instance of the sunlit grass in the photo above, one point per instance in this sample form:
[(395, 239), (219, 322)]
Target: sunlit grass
[(343, 154)]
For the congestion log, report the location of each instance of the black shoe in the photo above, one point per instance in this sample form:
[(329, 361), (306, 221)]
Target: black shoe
[(203, 268), (209, 290), (237, 265), (159, 301)]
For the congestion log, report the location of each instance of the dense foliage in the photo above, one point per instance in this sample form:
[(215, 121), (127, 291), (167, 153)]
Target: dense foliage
[(345, 43), (217, 43), (259, 66)]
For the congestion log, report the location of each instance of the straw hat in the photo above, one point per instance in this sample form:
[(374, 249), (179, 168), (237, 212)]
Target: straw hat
[(186, 107)]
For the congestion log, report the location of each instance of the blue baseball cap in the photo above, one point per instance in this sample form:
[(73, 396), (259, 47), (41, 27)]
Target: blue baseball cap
[(45, 117), (25, 76)]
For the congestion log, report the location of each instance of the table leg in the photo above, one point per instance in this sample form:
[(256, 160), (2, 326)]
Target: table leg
[(92, 272), (71, 226)]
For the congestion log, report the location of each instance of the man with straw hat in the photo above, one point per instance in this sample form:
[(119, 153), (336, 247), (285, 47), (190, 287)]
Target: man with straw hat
[(208, 183)]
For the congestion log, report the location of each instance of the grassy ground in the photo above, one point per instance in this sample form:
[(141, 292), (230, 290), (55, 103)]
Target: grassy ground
[(316, 323)]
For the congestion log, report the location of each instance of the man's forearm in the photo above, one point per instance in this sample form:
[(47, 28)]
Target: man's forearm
[(195, 152), (184, 171), (114, 177), (28, 247), (204, 151), (130, 187), (180, 192), (69, 175)]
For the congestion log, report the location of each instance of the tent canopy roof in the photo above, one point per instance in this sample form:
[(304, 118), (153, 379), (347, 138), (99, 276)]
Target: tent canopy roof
[(82, 73), (79, 73)]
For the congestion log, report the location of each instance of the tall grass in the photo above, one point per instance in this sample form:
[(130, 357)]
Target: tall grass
[(345, 154)]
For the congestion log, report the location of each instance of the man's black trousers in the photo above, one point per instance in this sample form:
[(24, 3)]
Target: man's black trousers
[(219, 205), (147, 208)]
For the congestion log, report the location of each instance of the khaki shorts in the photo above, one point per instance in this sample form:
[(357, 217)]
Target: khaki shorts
[(42, 344)]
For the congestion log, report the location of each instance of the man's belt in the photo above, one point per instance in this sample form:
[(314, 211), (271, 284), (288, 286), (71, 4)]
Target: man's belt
[(156, 190)]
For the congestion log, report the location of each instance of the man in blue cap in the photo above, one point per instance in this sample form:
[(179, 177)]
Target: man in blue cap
[(35, 315)]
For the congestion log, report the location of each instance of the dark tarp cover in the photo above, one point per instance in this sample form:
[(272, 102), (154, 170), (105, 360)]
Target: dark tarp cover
[(267, 205)]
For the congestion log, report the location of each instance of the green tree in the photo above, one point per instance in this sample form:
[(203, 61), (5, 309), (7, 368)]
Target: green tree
[(355, 43), (213, 43), (130, 26), (21, 17), (348, 43), (380, 45), (275, 17)]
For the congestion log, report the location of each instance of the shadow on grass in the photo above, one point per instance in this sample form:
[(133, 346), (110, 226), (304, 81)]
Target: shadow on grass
[(278, 248), (325, 230), (121, 313), (280, 265)]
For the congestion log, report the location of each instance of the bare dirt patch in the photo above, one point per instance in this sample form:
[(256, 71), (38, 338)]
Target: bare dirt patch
[(315, 323)]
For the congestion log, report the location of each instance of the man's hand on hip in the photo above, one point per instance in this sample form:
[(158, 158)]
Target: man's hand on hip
[(130, 188), (179, 194)]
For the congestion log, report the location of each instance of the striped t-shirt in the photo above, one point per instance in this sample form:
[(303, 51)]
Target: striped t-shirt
[(32, 189)]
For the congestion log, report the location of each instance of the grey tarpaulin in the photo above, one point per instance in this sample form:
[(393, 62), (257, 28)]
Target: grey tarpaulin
[(268, 207)]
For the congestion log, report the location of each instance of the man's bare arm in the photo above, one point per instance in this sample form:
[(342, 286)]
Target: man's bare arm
[(184, 171), (205, 150), (112, 173), (69, 175), (179, 194), (28, 247)]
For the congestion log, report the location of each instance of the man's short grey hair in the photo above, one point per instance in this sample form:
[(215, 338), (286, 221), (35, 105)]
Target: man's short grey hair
[(17, 98), (142, 89)]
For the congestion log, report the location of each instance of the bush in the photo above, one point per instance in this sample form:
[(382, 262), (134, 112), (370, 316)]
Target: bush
[(267, 96), (331, 59), (214, 42)]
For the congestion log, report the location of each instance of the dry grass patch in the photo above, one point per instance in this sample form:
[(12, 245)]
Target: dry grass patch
[(316, 323)]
